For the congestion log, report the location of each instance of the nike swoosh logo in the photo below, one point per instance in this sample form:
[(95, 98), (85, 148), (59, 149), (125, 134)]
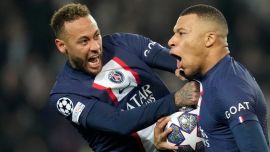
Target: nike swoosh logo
[(120, 91)]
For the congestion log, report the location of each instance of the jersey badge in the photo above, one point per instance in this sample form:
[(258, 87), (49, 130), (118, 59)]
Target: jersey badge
[(116, 76), (64, 106), (77, 112)]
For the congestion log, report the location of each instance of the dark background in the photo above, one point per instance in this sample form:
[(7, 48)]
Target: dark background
[(30, 61)]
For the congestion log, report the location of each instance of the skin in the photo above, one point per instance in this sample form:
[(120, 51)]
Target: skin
[(197, 58), (160, 141), (188, 94), (198, 44), (81, 42)]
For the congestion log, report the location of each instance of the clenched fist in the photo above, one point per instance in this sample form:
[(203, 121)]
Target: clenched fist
[(188, 95)]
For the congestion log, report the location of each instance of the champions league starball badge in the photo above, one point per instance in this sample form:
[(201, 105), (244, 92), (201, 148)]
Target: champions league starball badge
[(116, 76), (64, 106)]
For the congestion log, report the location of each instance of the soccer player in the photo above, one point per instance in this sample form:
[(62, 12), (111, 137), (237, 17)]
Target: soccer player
[(233, 108), (107, 89)]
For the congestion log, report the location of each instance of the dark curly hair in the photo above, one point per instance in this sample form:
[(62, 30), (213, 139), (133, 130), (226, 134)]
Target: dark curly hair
[(67, 13)]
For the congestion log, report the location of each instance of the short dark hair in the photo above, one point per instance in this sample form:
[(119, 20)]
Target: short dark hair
[(68, 12), (206, 12)]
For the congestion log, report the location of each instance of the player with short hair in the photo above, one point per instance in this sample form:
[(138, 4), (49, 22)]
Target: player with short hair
[(107, 89), (233, 108)]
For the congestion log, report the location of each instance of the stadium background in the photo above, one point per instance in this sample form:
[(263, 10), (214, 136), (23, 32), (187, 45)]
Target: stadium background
[(29, 61)]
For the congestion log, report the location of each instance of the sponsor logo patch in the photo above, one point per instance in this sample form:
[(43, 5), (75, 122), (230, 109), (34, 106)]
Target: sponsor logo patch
[(77, 112)]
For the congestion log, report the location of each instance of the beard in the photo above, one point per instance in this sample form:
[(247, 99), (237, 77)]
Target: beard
[(81, 64), (77, 63)]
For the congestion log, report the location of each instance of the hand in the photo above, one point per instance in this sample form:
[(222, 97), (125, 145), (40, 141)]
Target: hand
[(160, 135), (188, 95), (179, 75)]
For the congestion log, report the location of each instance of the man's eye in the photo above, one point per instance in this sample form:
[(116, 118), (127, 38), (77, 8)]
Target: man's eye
[(97, 35), (181, 33), (83, 42)]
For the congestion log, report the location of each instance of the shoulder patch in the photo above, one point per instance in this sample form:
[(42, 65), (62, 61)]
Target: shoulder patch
[(64, 106), (77, 112)]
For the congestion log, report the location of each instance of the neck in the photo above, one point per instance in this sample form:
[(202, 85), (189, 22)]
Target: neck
[(214, 57)]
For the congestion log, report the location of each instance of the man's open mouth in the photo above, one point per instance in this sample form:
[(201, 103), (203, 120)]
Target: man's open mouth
[(177, 57), (94, 60)]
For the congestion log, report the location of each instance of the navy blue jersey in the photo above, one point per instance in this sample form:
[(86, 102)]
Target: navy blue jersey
[(231, 96), (110, 107)]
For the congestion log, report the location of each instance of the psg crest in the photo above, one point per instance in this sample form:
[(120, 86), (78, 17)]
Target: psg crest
[(116, 76)]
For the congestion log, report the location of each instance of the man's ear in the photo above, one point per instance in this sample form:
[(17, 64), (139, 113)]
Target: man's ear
[(60, 45), (210, 39)]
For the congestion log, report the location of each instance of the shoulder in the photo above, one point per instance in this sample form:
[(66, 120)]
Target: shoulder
[(231, 82), (121, 35), (234, 90), (71, 81), (235, 79), (229, 73), (124, 38)]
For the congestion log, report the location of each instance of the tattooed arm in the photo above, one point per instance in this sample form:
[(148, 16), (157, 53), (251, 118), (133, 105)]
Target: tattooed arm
[(188, 95)]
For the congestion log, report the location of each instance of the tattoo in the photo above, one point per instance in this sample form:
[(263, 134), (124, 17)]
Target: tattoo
[(187, 95)]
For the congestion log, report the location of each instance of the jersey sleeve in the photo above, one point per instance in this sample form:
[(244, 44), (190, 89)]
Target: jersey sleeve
[(152, 53), (91, 113), (249, 137), (237, 103)]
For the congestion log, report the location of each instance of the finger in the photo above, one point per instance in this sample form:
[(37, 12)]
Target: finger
[(194, 85), (166, 132), (161, 119), (176, 72), (197, 86), (194, 102), (178, 75), (160, 133), (165, 121), (168, 146), (196, 96), (191, 84), (160, 125)]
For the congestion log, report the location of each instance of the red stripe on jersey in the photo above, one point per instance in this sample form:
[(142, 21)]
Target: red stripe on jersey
[(113, 97), (99, 87), (139, 142), (109, 91), (126, 67)]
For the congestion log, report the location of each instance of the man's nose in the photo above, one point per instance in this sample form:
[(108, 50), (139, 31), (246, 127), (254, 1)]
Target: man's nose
[(95, 45), (171, 42)]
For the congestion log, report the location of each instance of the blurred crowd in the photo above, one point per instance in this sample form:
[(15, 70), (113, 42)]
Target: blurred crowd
[(29, 61)]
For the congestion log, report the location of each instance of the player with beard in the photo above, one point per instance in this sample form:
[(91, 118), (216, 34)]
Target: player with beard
[(107, 89)]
